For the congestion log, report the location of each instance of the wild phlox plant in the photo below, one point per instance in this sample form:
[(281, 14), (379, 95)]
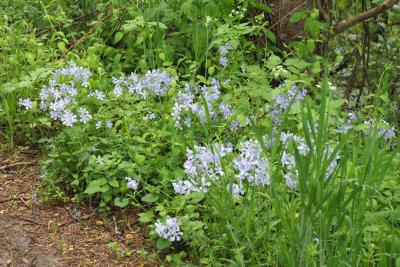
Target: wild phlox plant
[(169, 230)]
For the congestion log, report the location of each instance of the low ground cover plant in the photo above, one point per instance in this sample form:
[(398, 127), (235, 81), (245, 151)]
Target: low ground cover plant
[(288, 175), (237, 153)]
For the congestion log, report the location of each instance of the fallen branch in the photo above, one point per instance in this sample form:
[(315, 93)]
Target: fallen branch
[(17, 164), (78, 219), (364, 16), (83, 37)]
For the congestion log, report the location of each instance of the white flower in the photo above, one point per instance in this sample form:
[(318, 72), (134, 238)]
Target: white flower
[(68, 118), (27, 103), (117, 90), (84, 115), (109, 124), (132, 184), (98, 124)]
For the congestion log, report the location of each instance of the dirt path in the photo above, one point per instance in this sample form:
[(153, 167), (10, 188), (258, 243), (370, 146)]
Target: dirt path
[(57, 234)]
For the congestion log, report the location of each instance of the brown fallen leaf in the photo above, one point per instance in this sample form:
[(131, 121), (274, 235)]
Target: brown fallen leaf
[(129, 236)]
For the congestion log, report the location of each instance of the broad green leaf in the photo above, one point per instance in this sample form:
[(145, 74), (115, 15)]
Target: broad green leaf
[(242, 119), (146, 217), (150, 198), (297, 16), (197, 196), (121, 202), (113, 183), (118, 37), (163, 243), (61, 46)]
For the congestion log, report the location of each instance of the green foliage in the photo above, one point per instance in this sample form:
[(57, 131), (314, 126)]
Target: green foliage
[(331, 197)]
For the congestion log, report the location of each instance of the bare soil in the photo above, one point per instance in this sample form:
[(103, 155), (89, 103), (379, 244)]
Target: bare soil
[(61, 234)]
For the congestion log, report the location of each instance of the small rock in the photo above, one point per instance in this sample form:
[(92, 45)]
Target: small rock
[(25, 261), (99, 223), (8, 262)]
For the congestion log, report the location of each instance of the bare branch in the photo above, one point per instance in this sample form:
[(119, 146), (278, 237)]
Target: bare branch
[(324, 14), (364, 16)]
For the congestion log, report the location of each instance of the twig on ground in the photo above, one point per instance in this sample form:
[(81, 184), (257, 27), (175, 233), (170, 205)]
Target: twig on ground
[(32, 260), (117, 232), (17, 164), (25, 219), (78, 219)]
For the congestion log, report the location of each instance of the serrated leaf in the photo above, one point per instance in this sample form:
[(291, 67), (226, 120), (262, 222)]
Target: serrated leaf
[(383, 125), (118, 37), (337, 103), (140, 139), (211, 9), (121, 202), (150, 198), (140, 159), (163, 243)]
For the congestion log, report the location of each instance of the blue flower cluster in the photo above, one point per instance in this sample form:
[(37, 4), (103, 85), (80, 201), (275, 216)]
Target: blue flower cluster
[(283, 100), (169, 230), (223, 50), (154, 82)]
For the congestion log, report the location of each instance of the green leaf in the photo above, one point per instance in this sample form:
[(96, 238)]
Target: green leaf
[(241, 119), (297, 16), (188, 9), (262, 6), (211, 9), (339, 58), (121, 202), (75, 182), (140, 139), (113, 183), (361, 126), (146, 217), (211, 70), (140, 159), (118, 37), (162, 56), (313, 26), (163, 243), (271, 36), (61, 46), (197, 196), (383, 125), (97, 186), (150, 198)]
